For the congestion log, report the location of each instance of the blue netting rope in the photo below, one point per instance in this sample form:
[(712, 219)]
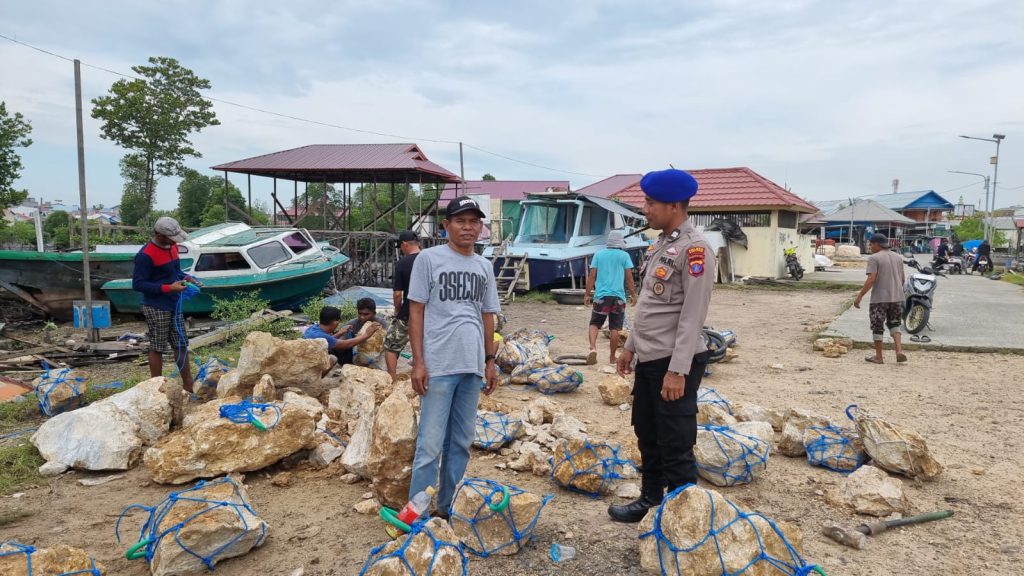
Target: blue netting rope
[(556, 379), (12, 548), (794, 565), (418, 528), (492, 494), (751, 458), (835, 449), (151, 534), (52, 380), (494, 430), (608, 467), (181, 343), (708, 395), (245, 411)]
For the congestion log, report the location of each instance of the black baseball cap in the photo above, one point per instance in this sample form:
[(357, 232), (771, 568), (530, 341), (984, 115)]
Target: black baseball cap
[(462, 204), (880, 239), (407, 236)]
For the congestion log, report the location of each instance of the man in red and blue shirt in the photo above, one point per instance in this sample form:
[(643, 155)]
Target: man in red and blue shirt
[(159, 277)]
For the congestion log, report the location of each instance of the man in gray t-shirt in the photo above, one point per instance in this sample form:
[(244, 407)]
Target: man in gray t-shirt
[(885, 281), (453, 299)]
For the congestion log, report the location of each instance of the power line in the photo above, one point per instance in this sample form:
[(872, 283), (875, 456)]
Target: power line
[(309, 120)]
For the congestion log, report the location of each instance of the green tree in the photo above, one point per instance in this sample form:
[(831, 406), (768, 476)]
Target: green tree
[(193, 198), (19, 233), (154, 116), (56, 219), (14, 131), (215, 213), (312, 198), (488, 177), (135, 207), (973, 228)]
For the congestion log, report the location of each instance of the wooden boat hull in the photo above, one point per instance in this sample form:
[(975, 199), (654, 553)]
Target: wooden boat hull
[(54, 280)]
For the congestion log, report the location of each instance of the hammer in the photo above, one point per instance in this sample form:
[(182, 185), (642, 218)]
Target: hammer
[(857, 538)]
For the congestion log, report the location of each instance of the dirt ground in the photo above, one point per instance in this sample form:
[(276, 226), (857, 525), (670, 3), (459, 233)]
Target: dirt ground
[(970, 408)]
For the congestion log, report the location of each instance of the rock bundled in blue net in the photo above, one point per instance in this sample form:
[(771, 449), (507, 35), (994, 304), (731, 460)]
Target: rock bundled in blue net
[(587, 467), (18, 559), (708, 395), (699, 532), (492, 518), (555, 379), (60, 390), (194, 529), (520, 347), (431, 548), (835, 448), (494, 430), (207, 376), (727, 456)]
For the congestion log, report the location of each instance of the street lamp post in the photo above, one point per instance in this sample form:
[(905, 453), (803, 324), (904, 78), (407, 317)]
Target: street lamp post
[(985, 222), (998, 139)]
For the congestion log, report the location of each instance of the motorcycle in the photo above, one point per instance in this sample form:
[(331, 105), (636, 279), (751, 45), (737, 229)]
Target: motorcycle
[(793, 264), (919, 289), (954, 264), (984, 265)]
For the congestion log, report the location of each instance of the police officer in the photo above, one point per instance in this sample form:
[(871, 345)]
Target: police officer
[(667, 342)]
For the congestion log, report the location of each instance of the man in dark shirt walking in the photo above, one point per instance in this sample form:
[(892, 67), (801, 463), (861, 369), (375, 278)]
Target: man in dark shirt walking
[(398, 334), (159, 277)]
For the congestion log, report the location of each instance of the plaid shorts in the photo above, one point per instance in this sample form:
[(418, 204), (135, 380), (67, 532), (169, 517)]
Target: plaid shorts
[(163, 329), (397, 336)]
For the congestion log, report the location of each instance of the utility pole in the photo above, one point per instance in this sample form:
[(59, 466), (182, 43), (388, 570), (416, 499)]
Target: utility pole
[(994, 160), (92, 332), (462, 170), (985, 178)]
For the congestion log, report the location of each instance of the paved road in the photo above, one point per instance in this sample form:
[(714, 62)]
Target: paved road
[(970, 313)]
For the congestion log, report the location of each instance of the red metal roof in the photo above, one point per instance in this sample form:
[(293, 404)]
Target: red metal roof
[(610, 185), (1019, 222), (730, 188), (345, 163), (504, 189)]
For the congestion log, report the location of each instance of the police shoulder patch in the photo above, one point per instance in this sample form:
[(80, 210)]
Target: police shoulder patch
[(695, 260)]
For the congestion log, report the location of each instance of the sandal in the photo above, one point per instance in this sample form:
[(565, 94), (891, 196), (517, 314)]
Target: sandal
[(592, 358), (915, 338), (901, 357), (873, 360), (925, 339)]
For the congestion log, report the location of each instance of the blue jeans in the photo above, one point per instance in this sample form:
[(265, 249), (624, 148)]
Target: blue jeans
[(447, 426)]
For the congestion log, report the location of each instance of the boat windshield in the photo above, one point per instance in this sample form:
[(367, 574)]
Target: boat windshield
[(547, 224), (266, 255), (219, 261)]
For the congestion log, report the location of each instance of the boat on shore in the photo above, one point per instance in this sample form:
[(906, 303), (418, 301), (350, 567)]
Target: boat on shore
[(558, 235), (285, 265), (52, 281)]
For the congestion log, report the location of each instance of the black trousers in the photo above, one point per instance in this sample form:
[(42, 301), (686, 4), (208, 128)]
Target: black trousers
[(666, 431)]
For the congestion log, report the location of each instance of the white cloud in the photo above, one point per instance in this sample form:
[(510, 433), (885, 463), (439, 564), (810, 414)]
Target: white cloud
[(833, 99)]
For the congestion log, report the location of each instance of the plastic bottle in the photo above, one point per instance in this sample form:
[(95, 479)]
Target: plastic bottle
[(417, 506), (562, 552)]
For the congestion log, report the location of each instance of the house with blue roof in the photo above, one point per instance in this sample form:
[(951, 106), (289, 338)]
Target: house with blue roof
[(926, 208)]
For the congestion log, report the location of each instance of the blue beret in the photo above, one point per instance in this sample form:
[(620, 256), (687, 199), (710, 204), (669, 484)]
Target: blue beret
[(669, 185)]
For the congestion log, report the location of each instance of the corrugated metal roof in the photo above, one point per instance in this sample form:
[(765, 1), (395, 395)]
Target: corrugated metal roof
[(867, 211), (344, 163), (905, 200), (503, 189), (611, 185), (730, 188)]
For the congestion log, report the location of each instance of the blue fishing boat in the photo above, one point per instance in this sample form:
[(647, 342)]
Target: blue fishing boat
[(285, 265), (558, 235)]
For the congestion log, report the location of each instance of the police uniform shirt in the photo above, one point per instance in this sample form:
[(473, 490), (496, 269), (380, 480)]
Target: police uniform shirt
[(674, 297)]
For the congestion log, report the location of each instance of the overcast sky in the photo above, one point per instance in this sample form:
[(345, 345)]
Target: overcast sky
[(832, 99)]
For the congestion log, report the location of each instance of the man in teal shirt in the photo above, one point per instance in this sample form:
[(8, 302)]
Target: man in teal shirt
[(609, 279)]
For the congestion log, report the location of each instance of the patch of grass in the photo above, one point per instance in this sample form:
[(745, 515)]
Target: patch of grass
[(8, 517), (94, 394), (790, 286), (19, 466), (1017, 279), (536, 296), (17, 415)]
